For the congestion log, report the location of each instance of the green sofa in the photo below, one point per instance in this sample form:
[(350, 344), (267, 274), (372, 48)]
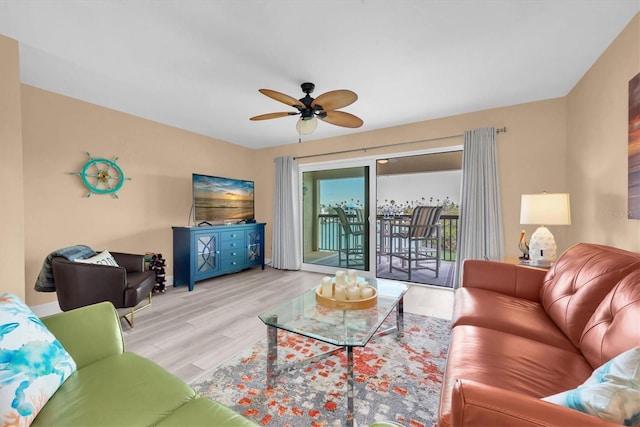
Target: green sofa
[(117, 388)]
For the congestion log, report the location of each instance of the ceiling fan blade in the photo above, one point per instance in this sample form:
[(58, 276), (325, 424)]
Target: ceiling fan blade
[(340, 118), (273, 115), (285, 99), (335, 99)]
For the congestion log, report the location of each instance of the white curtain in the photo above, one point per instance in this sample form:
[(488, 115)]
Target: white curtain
[(285, 251), (480, 227)]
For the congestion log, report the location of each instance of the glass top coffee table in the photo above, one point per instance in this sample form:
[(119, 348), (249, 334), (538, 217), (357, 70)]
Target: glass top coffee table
[(343, 328)]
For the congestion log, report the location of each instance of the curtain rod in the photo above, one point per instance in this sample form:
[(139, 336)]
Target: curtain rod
[(500, 130)]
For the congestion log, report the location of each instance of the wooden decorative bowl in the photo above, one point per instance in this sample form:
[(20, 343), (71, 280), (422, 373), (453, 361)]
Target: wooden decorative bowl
[(357, 304)]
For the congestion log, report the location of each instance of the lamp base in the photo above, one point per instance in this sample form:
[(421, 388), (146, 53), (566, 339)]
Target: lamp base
[(542, 247)]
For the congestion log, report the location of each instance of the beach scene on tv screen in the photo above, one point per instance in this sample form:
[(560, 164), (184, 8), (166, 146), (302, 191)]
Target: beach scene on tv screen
[(218, 198)]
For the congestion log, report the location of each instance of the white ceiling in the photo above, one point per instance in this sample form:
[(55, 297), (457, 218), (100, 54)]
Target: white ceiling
[(198, 65)]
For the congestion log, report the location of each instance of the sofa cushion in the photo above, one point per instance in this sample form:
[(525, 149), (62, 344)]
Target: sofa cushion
[(139, 285), (578, 282), (518, 316), (612, 392), (613, 328), (33, 363), (120, 390), (510, 362)]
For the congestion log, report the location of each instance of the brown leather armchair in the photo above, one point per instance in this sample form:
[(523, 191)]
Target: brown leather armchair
[(126, 286)]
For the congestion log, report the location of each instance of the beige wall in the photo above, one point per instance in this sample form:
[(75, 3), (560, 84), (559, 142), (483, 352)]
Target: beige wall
[(12, 247), (597, 146), (552, 145), (58, 132)]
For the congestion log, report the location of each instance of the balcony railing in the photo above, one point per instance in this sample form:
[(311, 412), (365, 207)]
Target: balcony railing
[(329, 232)]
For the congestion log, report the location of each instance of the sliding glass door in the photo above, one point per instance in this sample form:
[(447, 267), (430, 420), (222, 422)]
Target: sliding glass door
[(343, 203), (335, 218), (403, 184)]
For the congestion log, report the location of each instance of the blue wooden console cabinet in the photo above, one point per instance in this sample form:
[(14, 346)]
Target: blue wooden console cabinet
[(203, 252)]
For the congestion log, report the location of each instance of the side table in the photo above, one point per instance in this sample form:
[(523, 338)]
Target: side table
[(527, 263)]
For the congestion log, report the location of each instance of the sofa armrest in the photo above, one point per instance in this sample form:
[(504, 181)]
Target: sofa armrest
[(509, 279), (88, 333), (130, 262), (477, 404), (78, 284)]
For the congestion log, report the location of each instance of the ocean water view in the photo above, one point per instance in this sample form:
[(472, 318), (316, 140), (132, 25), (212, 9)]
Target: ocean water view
[(221, 209)]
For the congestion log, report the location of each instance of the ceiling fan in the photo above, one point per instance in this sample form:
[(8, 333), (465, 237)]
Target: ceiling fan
[(324, 107)]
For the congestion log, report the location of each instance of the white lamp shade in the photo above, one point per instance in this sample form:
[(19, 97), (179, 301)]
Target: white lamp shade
[(545, 209), (306, 127)]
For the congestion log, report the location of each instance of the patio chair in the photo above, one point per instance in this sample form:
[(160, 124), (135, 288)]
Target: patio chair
[(417, 243), (351, 239)]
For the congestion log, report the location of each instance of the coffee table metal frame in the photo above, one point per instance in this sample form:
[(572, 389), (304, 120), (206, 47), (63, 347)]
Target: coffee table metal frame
[(345, 329)]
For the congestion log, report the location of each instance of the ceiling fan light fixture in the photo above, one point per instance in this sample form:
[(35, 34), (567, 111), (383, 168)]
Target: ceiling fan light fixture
[(306, 126)]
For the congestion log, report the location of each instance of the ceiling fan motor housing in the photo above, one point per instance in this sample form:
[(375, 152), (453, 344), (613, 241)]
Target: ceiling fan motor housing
[(309, 111), (307, 87)]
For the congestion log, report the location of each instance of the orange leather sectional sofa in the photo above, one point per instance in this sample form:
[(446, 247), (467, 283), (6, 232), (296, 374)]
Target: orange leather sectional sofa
[(520, 334)]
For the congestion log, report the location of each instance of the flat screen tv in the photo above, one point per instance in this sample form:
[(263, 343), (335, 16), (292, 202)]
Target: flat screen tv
[(217, 199)]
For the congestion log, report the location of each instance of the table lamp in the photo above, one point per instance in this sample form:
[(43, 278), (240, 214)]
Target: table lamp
[(544, 209)]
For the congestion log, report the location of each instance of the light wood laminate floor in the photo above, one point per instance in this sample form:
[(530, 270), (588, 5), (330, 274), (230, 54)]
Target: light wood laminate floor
[(191, 333)]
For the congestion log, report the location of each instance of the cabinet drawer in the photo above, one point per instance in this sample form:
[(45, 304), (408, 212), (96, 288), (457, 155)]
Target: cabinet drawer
[(233, 258), (232, 244), (231, 235)]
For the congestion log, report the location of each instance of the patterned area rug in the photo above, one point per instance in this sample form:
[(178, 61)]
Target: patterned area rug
[(396, 379)]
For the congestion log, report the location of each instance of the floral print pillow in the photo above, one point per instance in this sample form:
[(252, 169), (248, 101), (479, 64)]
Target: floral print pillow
[(33, 364)]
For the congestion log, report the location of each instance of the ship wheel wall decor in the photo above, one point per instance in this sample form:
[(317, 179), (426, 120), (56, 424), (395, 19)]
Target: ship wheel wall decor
[(102, 176)]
